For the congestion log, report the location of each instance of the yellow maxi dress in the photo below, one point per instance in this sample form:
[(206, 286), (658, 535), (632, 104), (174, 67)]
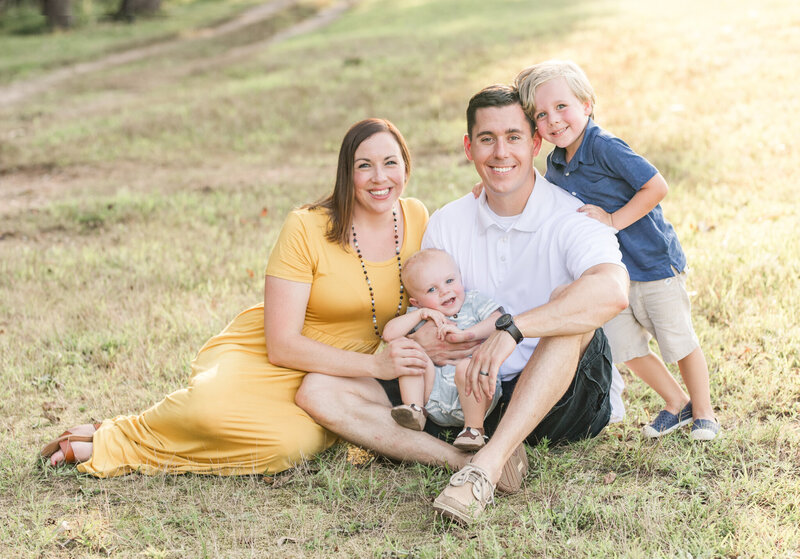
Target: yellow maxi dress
[(238, 415)]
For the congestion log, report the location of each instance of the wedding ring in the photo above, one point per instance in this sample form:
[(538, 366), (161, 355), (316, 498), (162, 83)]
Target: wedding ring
[(483, 373)]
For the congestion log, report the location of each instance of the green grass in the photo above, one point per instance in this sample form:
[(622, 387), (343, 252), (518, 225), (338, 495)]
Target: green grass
[(29, 49), (133, 228)]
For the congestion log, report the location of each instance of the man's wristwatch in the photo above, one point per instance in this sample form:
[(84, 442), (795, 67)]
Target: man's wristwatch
[(506, 322)]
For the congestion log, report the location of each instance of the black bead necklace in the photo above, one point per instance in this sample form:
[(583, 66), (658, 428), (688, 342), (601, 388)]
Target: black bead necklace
[(366, 277)]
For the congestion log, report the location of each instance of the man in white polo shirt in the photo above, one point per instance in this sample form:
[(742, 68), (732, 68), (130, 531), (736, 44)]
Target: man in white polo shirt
[(559, 276)]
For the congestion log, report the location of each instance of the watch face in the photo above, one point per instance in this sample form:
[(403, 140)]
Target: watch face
[(504, 321)]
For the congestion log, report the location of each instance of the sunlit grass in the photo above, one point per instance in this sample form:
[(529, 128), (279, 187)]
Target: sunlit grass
[(139, 206)]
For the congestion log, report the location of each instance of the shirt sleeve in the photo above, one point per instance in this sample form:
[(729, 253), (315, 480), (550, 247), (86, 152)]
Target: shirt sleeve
[(433, 233), (484, 306), (620, 160), (292, 256), (586, 243)]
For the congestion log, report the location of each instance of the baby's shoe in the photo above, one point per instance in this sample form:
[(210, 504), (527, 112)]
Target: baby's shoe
[(410, 416), (470, 439)]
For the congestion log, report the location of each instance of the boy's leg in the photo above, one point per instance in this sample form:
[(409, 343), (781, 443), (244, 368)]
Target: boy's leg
[(653, 372), (413, 388), (474, 411), (414, 391), (694, 371)]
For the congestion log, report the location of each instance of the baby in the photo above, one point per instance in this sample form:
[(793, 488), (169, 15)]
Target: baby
[(433, 283)]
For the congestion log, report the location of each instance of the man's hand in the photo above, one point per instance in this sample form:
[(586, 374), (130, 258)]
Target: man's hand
[(456, 346), (487, 359)]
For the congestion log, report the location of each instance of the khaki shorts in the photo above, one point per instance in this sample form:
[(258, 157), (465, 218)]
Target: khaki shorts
[(659, 309)]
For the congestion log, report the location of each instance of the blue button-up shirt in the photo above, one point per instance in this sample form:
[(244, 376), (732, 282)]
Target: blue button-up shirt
[(606, 172)]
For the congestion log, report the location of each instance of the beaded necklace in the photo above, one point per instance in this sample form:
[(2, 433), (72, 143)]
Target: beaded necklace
[(366, 277)]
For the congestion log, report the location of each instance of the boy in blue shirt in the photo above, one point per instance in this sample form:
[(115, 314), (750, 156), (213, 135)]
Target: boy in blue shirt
[(622, 189)]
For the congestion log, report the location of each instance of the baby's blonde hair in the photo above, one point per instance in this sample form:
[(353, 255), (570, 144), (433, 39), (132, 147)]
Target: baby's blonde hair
[(418, 259), (533, 76)]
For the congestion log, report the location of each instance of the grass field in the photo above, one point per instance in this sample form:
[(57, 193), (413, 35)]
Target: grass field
[(138, 207)]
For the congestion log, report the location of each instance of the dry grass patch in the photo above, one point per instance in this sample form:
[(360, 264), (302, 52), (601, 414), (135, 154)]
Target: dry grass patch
[(133, 228)]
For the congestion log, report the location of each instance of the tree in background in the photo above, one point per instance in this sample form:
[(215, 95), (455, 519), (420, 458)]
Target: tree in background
[(63, 14), (58, 13), (129, 9)]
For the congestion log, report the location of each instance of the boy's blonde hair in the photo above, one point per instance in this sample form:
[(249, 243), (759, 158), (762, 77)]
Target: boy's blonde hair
[(533, 76)]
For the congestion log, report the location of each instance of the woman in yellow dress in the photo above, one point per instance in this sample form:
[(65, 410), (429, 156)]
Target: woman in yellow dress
[(331, 284)]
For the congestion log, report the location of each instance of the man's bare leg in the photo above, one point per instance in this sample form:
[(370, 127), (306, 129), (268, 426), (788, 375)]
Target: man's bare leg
[(542, 382), (358, 410)]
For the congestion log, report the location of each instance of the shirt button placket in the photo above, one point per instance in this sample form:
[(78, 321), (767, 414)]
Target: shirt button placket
[(503, 256)]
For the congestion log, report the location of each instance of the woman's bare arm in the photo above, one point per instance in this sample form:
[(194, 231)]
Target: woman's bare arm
[(285, 305)]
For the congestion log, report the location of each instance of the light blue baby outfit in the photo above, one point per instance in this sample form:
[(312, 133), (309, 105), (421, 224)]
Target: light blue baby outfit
[(443, 405)]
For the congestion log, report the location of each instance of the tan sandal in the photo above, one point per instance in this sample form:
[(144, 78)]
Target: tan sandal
[(64, 443), (410, 416), (470, 439)]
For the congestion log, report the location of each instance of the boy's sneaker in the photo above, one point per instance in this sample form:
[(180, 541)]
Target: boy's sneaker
[(704, 430), (666, 422), (470, 439), (410, 416)]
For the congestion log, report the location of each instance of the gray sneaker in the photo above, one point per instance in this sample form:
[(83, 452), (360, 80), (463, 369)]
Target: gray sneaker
[(704, 430), (666, 422)]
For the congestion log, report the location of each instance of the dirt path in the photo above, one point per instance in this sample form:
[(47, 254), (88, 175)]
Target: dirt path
[(21, 90)]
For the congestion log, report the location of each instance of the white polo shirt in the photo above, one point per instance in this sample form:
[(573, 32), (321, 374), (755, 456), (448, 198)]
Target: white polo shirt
[(550, 244)]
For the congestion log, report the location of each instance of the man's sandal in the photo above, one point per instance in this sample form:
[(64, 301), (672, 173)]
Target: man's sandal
[(64, 444)]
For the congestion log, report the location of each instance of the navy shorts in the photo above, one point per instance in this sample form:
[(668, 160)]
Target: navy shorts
[(582, 412)]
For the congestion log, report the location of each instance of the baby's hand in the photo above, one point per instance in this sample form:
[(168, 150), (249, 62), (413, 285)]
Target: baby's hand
[(434, 316), (598, 213), (477, 189), (446, 328)]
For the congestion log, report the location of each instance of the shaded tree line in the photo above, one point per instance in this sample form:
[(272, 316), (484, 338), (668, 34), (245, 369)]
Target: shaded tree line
[(60, 13)]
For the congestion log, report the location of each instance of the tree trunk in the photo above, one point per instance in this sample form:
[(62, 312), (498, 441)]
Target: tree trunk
[(58, 13), (129, 9)]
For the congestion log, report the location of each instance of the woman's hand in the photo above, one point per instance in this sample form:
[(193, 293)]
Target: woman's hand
[(477, 189), (401, 356)]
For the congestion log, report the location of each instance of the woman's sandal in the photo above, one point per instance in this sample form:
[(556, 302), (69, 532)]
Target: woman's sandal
[(64, 443)]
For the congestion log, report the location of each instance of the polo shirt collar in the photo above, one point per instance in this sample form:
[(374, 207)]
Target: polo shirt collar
[(585, 153), (532, 216)]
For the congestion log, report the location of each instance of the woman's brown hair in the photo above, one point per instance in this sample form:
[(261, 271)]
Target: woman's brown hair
[(340, 203)]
